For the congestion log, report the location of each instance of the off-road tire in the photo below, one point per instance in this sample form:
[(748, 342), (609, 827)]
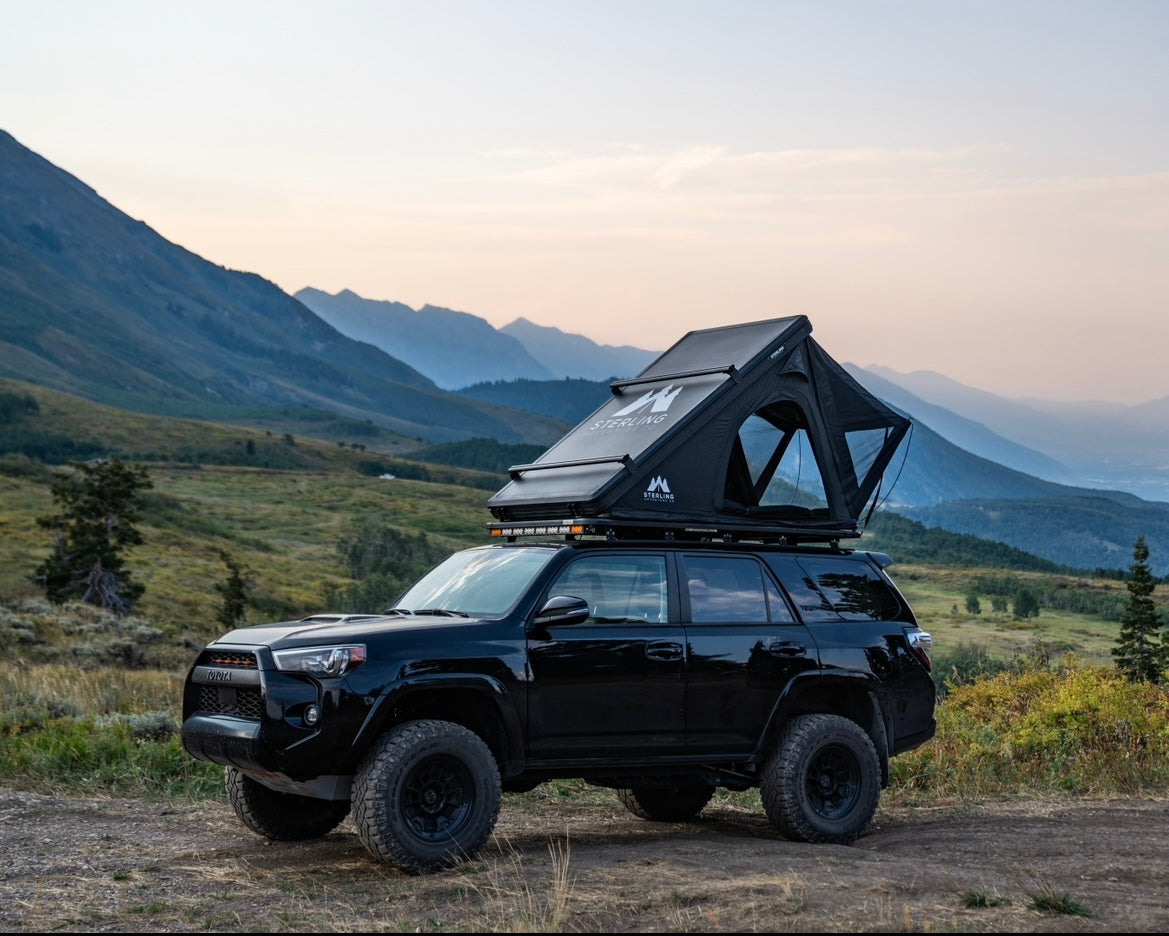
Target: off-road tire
[(426, 796), (667, 804), (282, 817), (823, 780)]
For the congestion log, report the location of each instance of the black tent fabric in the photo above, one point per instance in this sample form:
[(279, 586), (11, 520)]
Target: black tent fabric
[(740, 428)]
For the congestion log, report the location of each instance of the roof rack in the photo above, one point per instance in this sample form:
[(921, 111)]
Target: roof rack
[(723, 531)]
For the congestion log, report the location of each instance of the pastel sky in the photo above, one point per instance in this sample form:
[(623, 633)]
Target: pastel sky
[(971, 187)]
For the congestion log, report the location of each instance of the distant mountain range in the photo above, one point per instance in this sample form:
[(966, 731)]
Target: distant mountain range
[(453, 349), (1092, 444), (98, 305), (456, 349)]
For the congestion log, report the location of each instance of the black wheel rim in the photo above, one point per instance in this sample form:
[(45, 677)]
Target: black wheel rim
[(437, 799), (833, 782)]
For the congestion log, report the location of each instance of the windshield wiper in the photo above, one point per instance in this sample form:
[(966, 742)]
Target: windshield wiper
[(440, 612)]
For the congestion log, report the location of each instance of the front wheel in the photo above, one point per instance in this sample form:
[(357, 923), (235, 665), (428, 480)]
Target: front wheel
[(823, 780), (282, 817), (667, 804), (426, 796)]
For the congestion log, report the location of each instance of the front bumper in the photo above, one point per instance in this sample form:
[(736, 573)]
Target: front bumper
[(240, 711), (222, 739)]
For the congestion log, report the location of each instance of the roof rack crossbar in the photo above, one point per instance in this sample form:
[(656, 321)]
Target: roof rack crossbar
[(516, 470), (618, 385)]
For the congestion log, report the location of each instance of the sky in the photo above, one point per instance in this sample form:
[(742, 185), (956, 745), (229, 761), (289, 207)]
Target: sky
[(970, 187)]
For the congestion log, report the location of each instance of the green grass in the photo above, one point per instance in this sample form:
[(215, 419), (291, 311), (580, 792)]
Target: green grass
[(938, 598), (285, 526)]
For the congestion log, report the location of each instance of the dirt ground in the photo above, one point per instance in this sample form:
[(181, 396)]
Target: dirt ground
[(135, 866)]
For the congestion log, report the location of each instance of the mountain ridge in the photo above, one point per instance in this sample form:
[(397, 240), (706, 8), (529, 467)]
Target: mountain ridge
[(453, 349), (96, 303)]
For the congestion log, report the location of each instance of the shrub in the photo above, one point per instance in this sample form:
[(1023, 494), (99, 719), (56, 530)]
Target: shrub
[(1067, 728)]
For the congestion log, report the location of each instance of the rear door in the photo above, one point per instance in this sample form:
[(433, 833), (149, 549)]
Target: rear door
[(859, 621), (744, 646)]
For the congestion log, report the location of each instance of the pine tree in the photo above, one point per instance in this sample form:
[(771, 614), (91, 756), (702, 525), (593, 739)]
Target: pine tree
[(1026, 604), (1141, 651), (99, 504), (235, 591)]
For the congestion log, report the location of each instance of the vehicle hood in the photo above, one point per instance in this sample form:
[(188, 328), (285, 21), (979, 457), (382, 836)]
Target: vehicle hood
[(338, 628)]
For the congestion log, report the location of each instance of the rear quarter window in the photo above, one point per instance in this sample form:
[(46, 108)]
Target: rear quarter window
[(833, 588)]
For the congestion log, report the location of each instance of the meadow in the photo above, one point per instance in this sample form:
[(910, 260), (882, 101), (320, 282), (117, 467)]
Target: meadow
[(1030, 707), (75, 673)]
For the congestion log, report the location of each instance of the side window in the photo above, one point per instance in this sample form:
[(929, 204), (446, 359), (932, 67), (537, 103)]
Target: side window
[(833, 588), (619, 588), (731, 589)]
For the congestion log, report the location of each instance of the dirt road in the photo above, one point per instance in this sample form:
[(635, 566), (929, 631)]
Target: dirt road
[(135, 866)]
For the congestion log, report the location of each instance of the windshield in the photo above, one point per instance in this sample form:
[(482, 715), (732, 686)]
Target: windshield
[(485, 581)]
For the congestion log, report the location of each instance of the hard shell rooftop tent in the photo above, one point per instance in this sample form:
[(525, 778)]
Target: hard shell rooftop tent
[(745, 430)]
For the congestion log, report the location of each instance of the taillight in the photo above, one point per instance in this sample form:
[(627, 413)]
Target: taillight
[(922, 644)]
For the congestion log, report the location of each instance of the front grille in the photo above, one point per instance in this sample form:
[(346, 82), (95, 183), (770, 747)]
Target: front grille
[(229, 658), (228, 700), (239, 701)]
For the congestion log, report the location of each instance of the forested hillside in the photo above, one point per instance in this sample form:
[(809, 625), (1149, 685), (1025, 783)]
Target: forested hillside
[(569, 400)]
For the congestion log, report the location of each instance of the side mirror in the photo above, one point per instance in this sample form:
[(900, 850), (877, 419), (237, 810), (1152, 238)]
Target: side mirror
[(562, 609)]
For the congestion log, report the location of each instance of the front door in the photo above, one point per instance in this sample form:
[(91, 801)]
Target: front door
[(614, 684)]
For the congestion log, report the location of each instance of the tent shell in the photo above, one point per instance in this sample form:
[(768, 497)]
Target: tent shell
[(671, 452)]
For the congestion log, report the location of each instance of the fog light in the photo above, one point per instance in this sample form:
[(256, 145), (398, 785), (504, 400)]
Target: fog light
[(312, 715)]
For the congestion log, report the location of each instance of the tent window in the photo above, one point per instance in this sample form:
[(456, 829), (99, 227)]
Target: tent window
[(776, 464), (865, 445)]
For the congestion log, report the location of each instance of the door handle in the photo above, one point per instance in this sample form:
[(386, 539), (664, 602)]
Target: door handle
[(666, 650), (787, 648)]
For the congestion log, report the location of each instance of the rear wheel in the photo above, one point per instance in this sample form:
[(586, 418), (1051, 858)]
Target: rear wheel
[(427, 796), (667, 804), (823, 781), (283, 817)]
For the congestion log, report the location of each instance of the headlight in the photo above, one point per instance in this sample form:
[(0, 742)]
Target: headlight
[(320, 661)]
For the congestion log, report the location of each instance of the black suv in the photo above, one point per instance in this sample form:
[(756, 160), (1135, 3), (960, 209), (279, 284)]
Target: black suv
[(668, 611), (662, 669)]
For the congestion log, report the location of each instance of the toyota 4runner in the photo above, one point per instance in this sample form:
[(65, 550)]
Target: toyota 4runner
[(670, 614)]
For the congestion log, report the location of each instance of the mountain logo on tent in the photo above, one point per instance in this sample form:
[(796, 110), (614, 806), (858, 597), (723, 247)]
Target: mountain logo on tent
[(648, 410), (657, 400), (659, 491)]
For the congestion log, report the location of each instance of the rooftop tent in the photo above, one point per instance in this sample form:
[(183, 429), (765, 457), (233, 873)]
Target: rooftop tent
[(749, 428)]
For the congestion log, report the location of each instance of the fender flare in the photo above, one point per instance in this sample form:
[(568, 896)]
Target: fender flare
[(492, 690), (876, 718)]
